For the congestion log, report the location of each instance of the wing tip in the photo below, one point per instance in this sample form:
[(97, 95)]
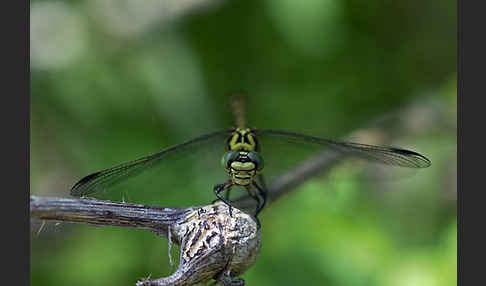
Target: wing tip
[(77, 190), (420, 160)]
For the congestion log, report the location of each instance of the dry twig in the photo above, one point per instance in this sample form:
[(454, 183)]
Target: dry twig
[(214, 245)]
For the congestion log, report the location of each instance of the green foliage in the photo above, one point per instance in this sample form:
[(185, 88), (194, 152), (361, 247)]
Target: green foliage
[(140, 78)]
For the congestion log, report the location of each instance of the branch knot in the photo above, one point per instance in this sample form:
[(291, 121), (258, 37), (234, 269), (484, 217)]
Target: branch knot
[(212, 240)]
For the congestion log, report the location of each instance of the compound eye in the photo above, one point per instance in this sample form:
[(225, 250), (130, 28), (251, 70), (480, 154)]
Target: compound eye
[(228, 158), (257, 159)]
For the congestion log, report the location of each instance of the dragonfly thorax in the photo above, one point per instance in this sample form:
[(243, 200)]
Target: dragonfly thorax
[(242, 139)]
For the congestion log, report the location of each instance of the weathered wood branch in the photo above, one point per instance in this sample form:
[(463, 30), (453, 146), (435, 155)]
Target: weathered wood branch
[(214, 245), (98, 212)]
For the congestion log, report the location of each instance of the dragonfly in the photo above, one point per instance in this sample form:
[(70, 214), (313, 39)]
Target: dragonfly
[(242, 161)]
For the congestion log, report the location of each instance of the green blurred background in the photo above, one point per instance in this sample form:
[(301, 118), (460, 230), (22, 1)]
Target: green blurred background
[(114, 80)]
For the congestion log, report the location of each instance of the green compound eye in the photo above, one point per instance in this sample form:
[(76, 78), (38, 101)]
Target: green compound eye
[(257, 159), (228, 157)]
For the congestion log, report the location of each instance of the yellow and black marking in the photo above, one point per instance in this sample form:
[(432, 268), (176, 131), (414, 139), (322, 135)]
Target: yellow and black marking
[(242, 162), (242, 169), (242, 139)]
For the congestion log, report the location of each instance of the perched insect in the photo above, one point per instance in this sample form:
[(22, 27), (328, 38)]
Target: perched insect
[(243, 160)]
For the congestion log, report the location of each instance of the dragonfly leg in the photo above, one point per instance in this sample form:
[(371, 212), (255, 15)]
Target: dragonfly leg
[(255, 192), (260, 192), (227, 196), (228, 193), (218, 189), (254, 195)]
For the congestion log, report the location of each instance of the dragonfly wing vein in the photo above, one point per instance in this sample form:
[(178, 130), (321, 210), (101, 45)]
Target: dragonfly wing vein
[(386, 155), (102, 179)]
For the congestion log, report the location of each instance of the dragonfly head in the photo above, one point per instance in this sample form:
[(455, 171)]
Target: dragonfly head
[(242, 166)]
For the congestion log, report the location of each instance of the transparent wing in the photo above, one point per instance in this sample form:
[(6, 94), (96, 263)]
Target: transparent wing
[(386, 155), (283, 150), (153, 179)]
